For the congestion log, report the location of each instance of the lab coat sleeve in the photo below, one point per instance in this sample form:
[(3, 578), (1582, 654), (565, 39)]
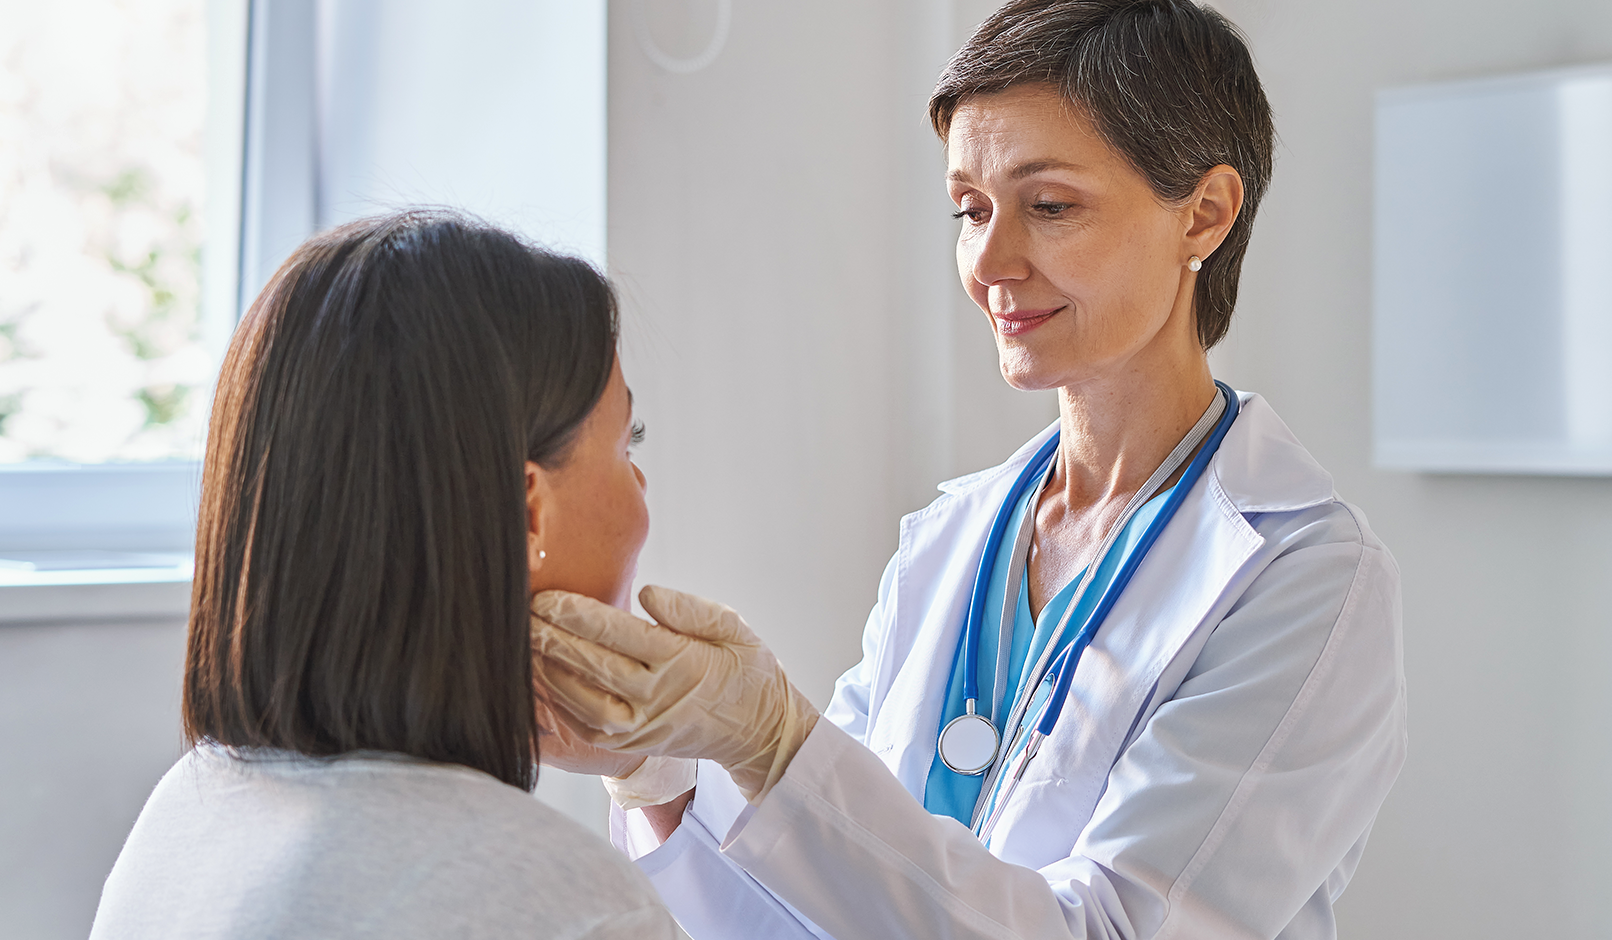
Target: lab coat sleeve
[(1270, 760), (711, 896), (1229, 813), (849, 708)]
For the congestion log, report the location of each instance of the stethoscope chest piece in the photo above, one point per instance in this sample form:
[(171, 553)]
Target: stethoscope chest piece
[(968, 744)]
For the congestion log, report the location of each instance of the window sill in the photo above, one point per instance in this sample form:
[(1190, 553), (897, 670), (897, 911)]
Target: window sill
[(90, 595)]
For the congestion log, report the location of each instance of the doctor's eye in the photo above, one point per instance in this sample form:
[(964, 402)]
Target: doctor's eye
[(637, 436), (970, 213), (1050, 208)]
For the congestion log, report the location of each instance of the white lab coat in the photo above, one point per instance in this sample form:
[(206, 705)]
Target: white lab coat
[(1232, 730)]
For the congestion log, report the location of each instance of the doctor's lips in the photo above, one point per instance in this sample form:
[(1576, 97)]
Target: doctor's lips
[(1022, 321)]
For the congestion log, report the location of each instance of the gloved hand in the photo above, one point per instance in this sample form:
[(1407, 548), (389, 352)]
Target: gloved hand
[(698, 683), (560, 746), (658, 780)]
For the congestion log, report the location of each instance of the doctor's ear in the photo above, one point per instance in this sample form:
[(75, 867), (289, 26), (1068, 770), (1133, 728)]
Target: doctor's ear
[(539, 498), (1211, 210)]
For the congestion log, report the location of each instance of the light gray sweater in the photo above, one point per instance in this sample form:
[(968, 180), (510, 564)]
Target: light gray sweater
[(273, 844)]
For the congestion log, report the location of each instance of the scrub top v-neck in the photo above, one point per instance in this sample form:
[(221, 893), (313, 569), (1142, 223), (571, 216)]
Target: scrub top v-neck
[(948, 793)]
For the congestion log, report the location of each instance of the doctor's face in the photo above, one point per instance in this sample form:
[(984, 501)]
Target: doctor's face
[(1078, 266), (587, 514)]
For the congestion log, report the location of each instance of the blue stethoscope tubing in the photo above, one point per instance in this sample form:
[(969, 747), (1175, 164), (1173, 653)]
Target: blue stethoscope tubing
[(1064, 665), (982, 581)]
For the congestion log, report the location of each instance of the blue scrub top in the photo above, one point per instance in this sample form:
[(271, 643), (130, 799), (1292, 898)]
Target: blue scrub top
[(952, 794)]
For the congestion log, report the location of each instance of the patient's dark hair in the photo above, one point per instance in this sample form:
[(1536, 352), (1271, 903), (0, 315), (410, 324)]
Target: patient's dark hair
[(361, 575)]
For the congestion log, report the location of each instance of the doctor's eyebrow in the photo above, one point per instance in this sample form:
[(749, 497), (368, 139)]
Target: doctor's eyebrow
[(1022, 170), (1040, 166)]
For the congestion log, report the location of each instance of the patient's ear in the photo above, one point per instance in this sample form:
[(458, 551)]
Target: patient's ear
[(539, 501)]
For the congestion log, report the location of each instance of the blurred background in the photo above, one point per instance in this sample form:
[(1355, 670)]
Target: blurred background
[(760, 181)]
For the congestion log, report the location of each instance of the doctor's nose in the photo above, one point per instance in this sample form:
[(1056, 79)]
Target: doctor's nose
[(997, 254)]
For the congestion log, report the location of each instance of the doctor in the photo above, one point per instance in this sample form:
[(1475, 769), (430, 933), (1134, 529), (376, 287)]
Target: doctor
[(1141, 680)]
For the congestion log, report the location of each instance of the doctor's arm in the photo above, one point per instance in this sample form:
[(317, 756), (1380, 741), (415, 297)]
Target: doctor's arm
[(1227, 816), (678, 844), (1238, 809), (848, 709)]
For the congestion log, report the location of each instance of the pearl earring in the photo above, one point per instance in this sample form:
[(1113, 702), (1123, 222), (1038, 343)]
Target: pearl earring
[(1194, 263), (541, 554)]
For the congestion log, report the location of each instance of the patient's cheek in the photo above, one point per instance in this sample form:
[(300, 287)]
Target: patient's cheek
[(634, 543), (593, 550)]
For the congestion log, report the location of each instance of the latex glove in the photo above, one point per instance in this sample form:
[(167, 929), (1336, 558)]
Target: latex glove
[(559, 745), (697, 683), (632, 780), (659, 780)]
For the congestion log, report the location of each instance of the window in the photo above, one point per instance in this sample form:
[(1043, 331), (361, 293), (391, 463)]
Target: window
[(119, 182), (101, 222), (159, 158)]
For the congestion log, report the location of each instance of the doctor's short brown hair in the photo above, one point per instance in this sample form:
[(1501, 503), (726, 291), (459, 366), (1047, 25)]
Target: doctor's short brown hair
[(1168, 83), (361, 567)]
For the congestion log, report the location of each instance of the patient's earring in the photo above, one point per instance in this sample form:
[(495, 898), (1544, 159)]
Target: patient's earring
[(1194, 263), (541, 554)]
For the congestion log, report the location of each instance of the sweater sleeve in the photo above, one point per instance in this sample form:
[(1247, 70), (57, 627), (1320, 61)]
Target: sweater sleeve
[(644, 923)]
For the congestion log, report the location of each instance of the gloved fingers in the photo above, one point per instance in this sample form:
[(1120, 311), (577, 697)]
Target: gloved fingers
[(608, 627), (562, 744), (547, 714), (608, 668), (595, 714), (554, 719), (554, 715), (695, 616), (622, 676)]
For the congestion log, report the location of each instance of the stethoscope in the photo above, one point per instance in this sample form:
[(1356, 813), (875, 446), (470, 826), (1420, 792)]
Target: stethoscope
[(970, 744)]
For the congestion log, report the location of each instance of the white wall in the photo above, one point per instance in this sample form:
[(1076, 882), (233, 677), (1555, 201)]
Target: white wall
[(89, 720), (492, 106), (359, 107), (1502, 823)]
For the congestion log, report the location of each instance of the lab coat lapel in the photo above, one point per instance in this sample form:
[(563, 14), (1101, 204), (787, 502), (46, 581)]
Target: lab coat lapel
[(938, 558), (1170, 603), (1181, 590)]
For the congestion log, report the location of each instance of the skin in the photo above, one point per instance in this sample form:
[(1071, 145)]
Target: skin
[(586, 517), (1082, 273), (586, 523)]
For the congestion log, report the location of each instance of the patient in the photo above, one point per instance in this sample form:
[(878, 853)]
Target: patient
[(419, 423)]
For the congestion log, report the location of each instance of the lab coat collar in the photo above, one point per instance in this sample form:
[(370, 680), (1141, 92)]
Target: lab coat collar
[(1260, 466)]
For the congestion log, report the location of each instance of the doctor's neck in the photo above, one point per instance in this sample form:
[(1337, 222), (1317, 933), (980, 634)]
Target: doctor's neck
[(1117, 429)]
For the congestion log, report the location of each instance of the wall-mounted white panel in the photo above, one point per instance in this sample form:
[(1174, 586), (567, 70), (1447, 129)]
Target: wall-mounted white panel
[(1492, 332)]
